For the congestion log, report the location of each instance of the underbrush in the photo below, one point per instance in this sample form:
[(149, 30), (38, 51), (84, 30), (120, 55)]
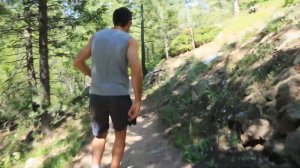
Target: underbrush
[(24, 137), (183, 42), (195, 122)]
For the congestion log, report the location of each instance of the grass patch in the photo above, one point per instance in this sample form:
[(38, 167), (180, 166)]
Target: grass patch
[(248, 4), (249, 35), (183, 42), (276, 25), (197, 152), (60, 149), (245, 21), (76, 139), (243, 66)]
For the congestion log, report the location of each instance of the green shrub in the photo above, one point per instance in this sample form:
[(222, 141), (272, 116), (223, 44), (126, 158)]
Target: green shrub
[(276, 25), (248, 4), (205, 35), (152, 63), (288, 3), (183, 42), (196, 152)]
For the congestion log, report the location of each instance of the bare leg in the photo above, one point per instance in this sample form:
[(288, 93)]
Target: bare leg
[(118, 149), (98, 146)]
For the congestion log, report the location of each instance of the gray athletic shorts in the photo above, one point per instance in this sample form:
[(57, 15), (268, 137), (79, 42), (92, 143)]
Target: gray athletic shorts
[(117, 107)]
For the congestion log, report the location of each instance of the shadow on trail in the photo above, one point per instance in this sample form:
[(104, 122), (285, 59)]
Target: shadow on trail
[(147, 145), (197, 104)]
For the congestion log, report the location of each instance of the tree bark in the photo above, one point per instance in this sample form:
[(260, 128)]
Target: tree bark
[(164, 31), (166, 46), (236, 7), (145, 71), (43, 50), (29, 57), (148, 54), (152, 49), (29, 54), (189, 23)]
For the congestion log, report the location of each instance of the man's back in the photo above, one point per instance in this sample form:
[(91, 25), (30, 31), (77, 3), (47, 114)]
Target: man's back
[(109, 63), (111, 51)]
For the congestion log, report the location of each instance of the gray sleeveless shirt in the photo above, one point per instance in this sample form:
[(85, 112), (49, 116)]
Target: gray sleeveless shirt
[(109, 63)]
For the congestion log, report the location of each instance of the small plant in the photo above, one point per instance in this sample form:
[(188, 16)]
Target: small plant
[(183, 42), (170, 114), (247, 4), (276, 25), (196, 152), (234, 139), (212, 164), (205, 35), (288, 3)]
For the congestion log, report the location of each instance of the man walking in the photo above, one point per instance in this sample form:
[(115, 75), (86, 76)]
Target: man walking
[(112, 50)]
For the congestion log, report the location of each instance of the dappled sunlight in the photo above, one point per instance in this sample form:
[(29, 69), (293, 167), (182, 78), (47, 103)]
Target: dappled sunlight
[(145, 145), (221, 83)]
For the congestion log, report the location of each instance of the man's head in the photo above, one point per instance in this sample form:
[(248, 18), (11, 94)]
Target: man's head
[(123, 17)]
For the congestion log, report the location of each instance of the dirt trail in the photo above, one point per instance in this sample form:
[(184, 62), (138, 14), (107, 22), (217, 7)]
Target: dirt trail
[(146, 146)]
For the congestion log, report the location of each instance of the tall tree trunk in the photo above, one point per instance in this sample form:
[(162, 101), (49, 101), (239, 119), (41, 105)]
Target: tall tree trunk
[(152, 49), (166, 41), (164, 31), (148, 54), (189, 23), (236, 7), (29, 58), (29, 54), (145, 71), (43, 50)]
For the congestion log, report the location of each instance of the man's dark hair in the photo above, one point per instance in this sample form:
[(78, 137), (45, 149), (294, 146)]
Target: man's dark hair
[(122, 16)]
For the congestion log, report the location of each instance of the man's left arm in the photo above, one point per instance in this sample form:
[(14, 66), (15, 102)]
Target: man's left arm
[(80, 60)]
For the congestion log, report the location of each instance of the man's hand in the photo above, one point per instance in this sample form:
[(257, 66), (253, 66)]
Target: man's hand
[(134, 110)]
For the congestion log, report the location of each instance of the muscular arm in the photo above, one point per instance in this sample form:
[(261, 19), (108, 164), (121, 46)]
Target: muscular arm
[(136, 69), (83, 55)]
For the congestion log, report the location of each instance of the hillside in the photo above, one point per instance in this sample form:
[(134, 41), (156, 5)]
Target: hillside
[(234, 102)]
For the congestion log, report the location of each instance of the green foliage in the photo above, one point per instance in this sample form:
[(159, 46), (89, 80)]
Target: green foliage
[(151, 64), (234, 140), (197, 152), (247, 4), (212, 164), (170, 114), (3, 10), (276, 25), (227, 97), (288, 3), (183, 42), (76, 139), (262, 51), (14, 150), (205, 35)]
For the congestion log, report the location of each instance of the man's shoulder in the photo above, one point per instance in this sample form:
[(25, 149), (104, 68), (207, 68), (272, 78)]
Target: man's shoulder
[(102, 31), (132, 41)]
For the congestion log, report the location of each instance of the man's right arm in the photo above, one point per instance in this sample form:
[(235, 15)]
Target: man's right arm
[(83, 55), (136, 76)]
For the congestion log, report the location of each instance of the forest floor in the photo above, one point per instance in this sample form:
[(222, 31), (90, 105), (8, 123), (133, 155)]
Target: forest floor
[(146, 146)]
